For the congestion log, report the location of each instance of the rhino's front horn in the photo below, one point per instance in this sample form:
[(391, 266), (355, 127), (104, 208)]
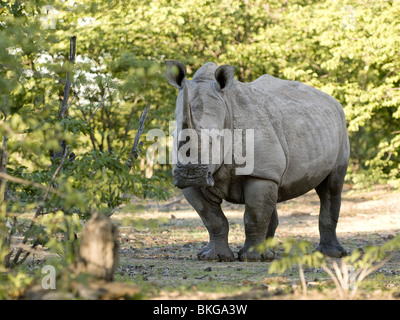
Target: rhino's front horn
[(187, 109)]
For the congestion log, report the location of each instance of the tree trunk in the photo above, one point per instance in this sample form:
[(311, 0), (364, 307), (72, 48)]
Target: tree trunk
[(63, 111), (98, 251)]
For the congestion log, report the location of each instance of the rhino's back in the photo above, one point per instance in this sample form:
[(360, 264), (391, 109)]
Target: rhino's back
[(311, 128)]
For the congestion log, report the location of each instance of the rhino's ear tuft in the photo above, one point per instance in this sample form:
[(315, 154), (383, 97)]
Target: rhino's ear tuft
[(225, 76), (176, 73)]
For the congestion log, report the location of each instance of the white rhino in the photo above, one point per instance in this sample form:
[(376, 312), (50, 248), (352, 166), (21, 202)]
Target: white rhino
[(300, 143)]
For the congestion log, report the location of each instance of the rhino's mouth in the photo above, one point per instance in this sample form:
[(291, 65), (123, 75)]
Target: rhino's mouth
[(193, 175)]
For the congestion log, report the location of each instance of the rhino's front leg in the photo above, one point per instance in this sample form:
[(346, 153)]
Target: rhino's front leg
[(216, 224), (260, 203)]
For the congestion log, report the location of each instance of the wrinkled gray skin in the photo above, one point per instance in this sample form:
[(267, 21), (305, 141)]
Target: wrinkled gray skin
[(301, 143)]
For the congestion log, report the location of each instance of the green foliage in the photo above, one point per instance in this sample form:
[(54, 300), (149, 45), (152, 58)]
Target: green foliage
[(34, 68), (295, 253), (12, 285), (373, 254), (58, 231), (347, 276)]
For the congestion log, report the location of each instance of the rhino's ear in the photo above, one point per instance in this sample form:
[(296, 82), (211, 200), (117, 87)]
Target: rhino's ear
[(225, 76), (176, 73)]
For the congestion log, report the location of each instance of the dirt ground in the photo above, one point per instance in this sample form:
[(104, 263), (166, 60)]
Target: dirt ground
[(160, 242)]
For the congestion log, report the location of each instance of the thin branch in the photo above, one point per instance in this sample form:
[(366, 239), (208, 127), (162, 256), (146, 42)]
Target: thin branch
[(53, 178), (365, 271), (5, 106), (389, 156), (109, 122), (135, 151), (98, 107), (4, 156), (64, 106), (72, 100), (39, 211), (339, 274), (345, 273), (63, 110), (10, 132), (334, 279), (129, 122), (368, 270), (91, 135), (302, 279), (8, 177), (5, 238)]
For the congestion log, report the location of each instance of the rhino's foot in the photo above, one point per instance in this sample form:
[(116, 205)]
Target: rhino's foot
[(216, 252), (332, 250), (246, 254)]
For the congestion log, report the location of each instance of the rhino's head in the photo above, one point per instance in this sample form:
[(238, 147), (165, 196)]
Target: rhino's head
[(201, 115)]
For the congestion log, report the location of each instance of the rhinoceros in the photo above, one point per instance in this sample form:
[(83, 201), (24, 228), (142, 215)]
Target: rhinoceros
[(300, 143)]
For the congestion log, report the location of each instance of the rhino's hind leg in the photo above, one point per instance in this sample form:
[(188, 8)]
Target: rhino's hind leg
[(216, 224), (260, 218), (329, 192)]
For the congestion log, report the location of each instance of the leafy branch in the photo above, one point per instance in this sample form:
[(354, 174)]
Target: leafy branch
[(38, 213), (347, 274)]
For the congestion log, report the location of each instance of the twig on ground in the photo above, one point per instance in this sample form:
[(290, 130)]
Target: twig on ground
[(172, 202)]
